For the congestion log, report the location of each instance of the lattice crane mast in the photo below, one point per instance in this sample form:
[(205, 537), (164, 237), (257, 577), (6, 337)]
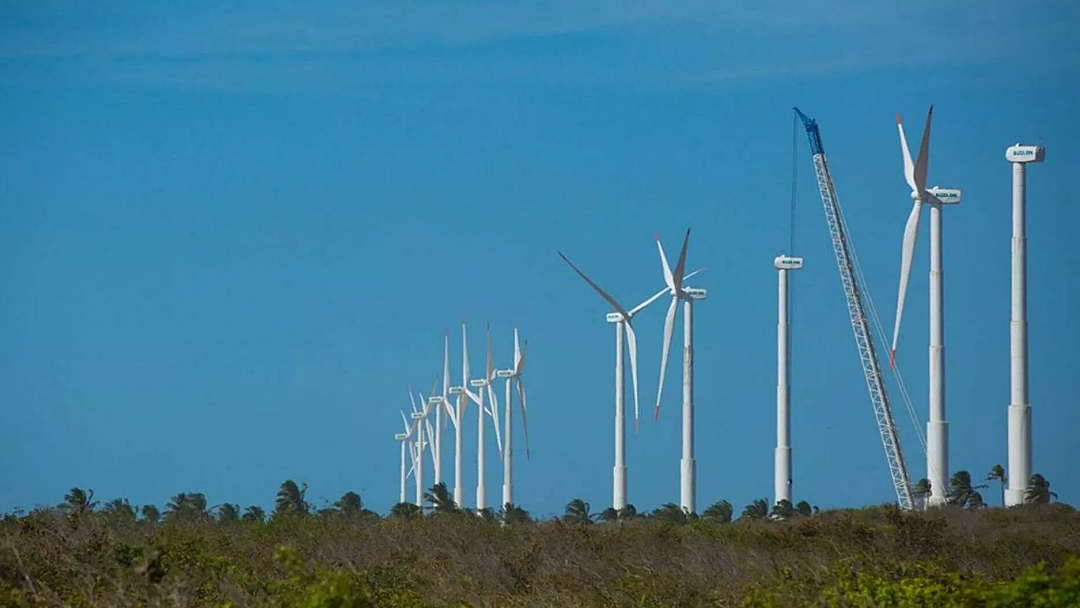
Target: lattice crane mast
[(860, 325)]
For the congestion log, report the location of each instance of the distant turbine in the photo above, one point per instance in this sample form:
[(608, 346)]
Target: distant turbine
[(623, 324), (688, 483), (511, 375), (484, 386)]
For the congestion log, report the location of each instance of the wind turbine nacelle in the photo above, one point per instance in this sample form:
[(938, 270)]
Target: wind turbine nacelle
[(614, 317), (401, 436), (435, 400), (457, 390), (785, 262), (417, 415), (477, 383), (948, 196), (696, 293), (1025, 154), (504, 373)]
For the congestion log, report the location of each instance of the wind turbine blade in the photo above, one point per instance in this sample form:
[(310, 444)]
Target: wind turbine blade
[(405, 421), (521, 361), (653, 298), (494, 413), (517, 351), (631, 342), (680, 266), (667, 269), (411, 400), (524, 414), (922, 162), (911, 233), (446, 364), (669, 326), (474, 397), (909, 167), (490, 361), (464, 366), (599, 290)]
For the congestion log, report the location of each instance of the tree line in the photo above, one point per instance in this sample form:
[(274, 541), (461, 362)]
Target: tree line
[(291, 501)]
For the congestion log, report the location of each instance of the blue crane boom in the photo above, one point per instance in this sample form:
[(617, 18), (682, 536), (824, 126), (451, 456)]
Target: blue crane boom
[(864, 340)]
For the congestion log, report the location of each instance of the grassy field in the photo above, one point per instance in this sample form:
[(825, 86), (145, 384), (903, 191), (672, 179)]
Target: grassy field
[(82, 556)]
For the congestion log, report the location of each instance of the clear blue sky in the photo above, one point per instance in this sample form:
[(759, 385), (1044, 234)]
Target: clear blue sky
[(232, 235)]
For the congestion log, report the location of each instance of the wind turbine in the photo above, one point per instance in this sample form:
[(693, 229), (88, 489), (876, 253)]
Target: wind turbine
[(483, 385), (937, 440), (510, 375), (688, 484), (1019, 408), (782, 459), (455, 416), (623, 325), (423, 423), (404, 439)]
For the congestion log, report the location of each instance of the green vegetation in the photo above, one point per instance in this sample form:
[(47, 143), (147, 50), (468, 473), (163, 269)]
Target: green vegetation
[(85, 554)]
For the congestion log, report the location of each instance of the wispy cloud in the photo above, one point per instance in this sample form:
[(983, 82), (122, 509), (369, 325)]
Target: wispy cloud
[(350, 48)]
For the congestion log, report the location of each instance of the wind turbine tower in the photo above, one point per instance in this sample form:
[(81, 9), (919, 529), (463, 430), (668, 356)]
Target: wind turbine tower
[(782, 465), (1019, 408), (937, 429), (512, 375), (688, 295)]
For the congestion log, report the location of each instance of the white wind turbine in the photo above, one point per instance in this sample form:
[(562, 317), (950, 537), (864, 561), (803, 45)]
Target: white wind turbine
[(483, 385), (623, 325), (510, 375), (423, 423), (406, 443), (937, 440), (688, 484), (455, 416)]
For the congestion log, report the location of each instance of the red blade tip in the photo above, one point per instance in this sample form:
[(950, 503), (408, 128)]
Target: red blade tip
[(897, 118), (657, 236), (656, 413), (892, 359)]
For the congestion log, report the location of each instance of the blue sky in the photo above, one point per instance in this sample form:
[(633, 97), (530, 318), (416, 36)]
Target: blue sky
[(232, 236)]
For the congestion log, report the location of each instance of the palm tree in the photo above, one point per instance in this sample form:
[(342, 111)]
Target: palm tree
[(150, 513), (1038, 491), (440, 498), (189, 506), (290, 499), (962, 493), (78, 501), (513, 514), (921, 491), (487, 514), (608, 515), (254, 514), (120, 507), (350, 504), (719, 512), (227, 513), (628, 512), (782, 509), (671, 512), (405, 511), (998, 474), (804, 509), (759, 509), (577, 512)]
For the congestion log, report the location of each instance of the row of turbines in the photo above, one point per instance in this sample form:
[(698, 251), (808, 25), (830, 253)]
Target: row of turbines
[(448, 406), (452, 401)]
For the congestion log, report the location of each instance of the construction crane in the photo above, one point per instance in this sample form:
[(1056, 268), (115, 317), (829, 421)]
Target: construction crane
[(860, 325)]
